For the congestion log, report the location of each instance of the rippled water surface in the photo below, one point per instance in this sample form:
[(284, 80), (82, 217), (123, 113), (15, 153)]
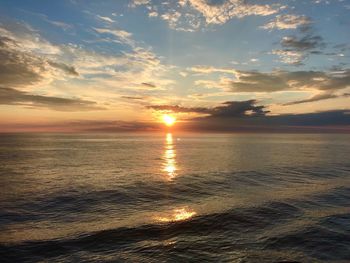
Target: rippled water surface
[(174, 198)]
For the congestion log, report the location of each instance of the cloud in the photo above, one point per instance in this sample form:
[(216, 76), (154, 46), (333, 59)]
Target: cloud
[(125, 72), (227, 109), (287, 21), (246, 116), (139, 2), (10, 96), (25, 39), (179, 109), (304, 43), (29, 60), (148, 85), (105, 19), (277, 80), (22, 65), (325, 118), (327, 121), (318, 97), (238, 109), (254, 81), (219, 12), (210, 69), (123, 36), (132, 97), (295, 49), (18, 68), (291, 57), (172, 17), (60, 24), (68, 69), (191, 15), (153, 14)]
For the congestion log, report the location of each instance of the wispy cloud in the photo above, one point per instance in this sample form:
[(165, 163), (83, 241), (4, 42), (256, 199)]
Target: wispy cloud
[(191, 15), (304, 43), (122, 35), (31, 62), (9, 96), (107, 57), (252, 81), (319, 97), (105, 19), (68, 69), (287, 21), (26, 39), (60, 24), (210, 69), (22, 67), (139, 2), (221, 12), (291, 57), (279, 80)]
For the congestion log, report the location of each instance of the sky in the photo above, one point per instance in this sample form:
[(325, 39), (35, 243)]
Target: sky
[(216, 65)]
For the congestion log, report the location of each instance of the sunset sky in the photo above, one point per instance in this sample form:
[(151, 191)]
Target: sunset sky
[(217, 65)]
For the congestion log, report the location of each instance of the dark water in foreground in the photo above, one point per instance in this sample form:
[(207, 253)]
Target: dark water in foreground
[(171, 198)]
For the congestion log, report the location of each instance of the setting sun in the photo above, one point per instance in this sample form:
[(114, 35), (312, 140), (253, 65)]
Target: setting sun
[(169, 120)]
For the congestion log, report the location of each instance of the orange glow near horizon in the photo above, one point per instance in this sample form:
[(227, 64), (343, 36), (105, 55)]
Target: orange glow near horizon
[(169, 120)]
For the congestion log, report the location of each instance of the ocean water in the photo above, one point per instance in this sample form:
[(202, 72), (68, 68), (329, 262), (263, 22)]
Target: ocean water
[(174, 198)]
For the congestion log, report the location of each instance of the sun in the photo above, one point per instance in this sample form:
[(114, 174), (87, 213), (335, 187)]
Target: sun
[(169, 120)]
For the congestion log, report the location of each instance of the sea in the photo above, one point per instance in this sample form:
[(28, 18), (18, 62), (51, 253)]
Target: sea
[(174, 197)]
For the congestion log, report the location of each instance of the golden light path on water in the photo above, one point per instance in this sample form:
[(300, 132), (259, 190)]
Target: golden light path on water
[(178, 214), (170, 157), (170, 169)]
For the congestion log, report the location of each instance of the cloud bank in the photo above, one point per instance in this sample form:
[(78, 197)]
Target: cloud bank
[(10, 96)]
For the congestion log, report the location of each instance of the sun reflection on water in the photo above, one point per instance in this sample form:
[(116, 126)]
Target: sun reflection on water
[(179, 214), (169, 157)]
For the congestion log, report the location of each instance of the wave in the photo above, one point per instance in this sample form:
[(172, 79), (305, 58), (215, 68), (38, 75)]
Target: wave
[(143, 195), (328, 240), (230, 224), (326, 237)]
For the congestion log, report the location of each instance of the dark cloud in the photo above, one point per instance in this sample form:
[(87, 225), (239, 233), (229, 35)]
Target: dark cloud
[(342, 47), (254, 81), (318, 97), (296, 48), (149, 85), (227, 109), (328, 121), (179, 109), (67, 69), (238, 109), (325, 118), (10, 96), (241, 116), (19, 68), (304, 43), (132, 97)]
